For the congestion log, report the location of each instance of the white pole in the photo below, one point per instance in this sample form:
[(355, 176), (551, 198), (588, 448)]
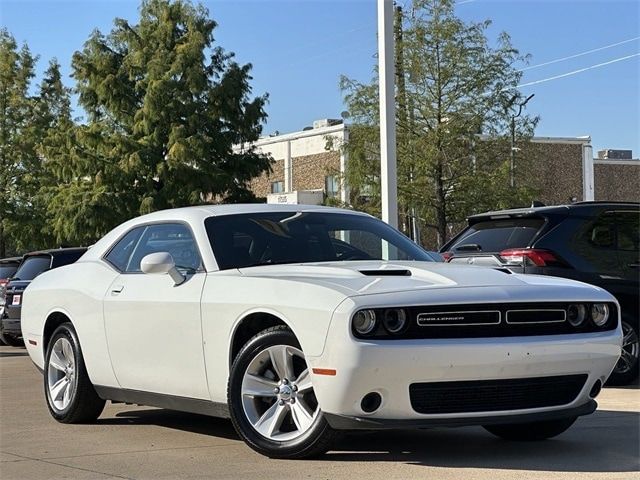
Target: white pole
[(386, 70), (588, 190), (288, 170)]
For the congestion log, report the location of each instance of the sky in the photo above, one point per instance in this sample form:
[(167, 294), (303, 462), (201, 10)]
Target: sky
[(299, 49)]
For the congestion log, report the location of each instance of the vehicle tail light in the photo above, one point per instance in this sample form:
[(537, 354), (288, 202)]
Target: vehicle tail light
[(530, 257), (447, 256)]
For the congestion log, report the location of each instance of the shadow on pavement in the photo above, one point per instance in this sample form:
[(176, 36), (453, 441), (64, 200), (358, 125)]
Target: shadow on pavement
[(607, 441), (188, 422)]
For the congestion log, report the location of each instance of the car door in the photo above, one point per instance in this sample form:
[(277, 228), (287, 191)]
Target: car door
[(153, 326)]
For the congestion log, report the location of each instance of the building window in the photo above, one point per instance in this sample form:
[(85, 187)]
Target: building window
[(331, 186), (277, 187)]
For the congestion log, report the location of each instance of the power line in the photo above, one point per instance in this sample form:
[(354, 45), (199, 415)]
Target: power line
[(568, 74), (579, 54)]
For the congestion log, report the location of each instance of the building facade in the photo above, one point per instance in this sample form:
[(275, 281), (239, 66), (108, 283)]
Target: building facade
[(562, 169)]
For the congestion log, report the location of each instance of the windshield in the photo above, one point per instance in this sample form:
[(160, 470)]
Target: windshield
[(32, 267), (299, 237)]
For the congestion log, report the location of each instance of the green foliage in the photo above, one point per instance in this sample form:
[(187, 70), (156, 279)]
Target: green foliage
[(452, 86), (20, 164), (165, 107)]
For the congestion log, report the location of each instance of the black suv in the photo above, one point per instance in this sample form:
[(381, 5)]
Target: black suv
[(32, 265), (593, 242)]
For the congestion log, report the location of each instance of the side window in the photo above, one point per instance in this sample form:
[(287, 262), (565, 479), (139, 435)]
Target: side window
[(628, 230), (174, 238), (121, 252), (602, 232)]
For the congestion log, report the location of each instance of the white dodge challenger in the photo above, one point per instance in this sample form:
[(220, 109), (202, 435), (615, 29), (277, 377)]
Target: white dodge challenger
[(298, 322)]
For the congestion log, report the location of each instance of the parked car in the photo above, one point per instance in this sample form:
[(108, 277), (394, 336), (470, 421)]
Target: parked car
[(32, 265), (8, 267), (299, 321), (594, 242)]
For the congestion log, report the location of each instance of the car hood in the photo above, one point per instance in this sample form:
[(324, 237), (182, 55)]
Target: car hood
[(379, 277)]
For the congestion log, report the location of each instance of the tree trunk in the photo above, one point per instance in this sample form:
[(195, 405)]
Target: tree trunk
[(441, 206)]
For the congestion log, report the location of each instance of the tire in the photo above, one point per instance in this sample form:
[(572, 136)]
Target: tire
[(10, 340), (530, 432), (70, 395), (626, 370), (288, 424)]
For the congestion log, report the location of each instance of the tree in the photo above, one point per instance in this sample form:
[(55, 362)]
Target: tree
[(17, 144), (165, 107), (452, 86)]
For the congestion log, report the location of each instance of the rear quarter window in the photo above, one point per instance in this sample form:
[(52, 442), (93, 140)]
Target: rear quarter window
[(498, 235)]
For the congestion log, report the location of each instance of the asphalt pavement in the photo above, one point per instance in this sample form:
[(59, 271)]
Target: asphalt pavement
[(146, 443)]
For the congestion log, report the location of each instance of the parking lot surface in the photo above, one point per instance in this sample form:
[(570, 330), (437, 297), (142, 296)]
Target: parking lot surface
[(146, 443)]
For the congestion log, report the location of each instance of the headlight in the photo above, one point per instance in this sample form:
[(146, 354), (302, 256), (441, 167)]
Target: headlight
[(576, 314), (364, 321), (600, 313), (394, 320)]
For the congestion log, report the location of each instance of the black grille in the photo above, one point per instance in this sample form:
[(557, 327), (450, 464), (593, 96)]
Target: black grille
[(495, 395)]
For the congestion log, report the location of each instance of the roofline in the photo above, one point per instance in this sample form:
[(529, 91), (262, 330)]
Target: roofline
[(585, 140), (604, 161), (287, 137)]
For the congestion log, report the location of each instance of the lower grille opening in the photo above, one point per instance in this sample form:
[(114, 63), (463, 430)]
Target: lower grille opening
[(495, 395)]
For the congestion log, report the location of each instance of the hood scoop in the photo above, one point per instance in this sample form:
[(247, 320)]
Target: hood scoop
[(386, 273)]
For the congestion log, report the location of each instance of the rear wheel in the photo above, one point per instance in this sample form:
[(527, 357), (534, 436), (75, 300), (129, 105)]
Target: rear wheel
[(70, 395), (271, 399), (527, 432), (626, 370)]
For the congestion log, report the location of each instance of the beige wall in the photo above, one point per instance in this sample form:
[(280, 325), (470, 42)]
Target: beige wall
[(617, 182), (308, 172), (554, 169)]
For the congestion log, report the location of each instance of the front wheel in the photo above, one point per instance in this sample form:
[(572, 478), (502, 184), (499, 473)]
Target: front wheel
[(271, 399), (71, 397), (626, 370), (527, 432)]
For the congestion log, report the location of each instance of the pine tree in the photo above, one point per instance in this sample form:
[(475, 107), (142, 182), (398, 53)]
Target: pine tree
[(17, 144), (165, 106)]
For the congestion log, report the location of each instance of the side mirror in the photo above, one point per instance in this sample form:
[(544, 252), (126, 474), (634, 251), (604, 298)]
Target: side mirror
[(161, 262)]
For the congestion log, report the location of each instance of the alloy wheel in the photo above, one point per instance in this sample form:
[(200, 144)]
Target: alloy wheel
[(277, 394), (61, 374), (630, 350)]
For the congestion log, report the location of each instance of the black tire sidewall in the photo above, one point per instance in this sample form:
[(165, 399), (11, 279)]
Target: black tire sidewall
[(619, 379), (64, 331), (289, 449)]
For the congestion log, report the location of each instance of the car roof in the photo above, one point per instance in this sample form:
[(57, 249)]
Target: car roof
[(579, 207), (56, 251), (4, 261), (201, 212)]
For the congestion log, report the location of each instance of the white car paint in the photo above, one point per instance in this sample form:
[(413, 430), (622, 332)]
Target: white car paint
[(156, 337)]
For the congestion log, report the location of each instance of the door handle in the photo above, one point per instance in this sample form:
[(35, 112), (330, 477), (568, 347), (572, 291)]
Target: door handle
[(117, 289), (634, 265)]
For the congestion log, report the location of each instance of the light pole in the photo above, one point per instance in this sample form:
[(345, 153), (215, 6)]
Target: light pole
[(386, 71), (512, 169)]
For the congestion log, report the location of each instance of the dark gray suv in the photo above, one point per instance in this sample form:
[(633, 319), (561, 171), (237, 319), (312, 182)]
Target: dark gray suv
[(593, 242)]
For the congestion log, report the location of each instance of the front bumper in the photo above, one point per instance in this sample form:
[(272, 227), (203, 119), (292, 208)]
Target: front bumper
[(343, 422), (389, 367)]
